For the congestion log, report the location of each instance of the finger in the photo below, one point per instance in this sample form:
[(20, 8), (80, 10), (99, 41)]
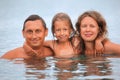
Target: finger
[(95, 53)]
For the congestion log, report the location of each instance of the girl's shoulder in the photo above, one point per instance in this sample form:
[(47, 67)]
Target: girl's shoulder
[(50, 41)]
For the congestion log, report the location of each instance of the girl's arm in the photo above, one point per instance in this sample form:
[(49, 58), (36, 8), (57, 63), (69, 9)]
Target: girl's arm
[(49, 44)]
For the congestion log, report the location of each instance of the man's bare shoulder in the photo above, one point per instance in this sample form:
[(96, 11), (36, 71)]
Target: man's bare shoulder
[(16, 50), (13, 53)]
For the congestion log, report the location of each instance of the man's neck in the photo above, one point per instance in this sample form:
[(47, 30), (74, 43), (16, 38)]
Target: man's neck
[(30, 49), (38, 49)]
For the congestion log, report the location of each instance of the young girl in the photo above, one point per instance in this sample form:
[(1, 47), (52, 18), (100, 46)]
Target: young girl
[(62, 29), (64, 46)]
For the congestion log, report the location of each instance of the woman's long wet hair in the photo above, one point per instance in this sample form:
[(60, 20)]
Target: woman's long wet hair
[(100, 21)]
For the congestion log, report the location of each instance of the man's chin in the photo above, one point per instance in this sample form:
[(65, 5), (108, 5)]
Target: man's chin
[(36, 45)]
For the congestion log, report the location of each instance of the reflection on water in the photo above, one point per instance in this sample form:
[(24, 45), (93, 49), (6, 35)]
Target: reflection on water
[(98, 68)]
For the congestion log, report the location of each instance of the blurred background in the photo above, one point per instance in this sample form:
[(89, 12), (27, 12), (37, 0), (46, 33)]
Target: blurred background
[(14, 12)]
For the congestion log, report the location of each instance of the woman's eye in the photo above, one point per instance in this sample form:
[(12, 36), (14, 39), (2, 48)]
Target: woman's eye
[(83, 26), (92, 26)]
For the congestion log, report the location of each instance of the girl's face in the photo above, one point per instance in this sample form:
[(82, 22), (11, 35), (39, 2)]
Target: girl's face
[(62, 30), (89, 29)]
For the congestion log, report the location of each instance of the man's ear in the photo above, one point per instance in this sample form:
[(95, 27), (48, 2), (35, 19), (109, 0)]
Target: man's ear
[(46, 32), (23, 34)]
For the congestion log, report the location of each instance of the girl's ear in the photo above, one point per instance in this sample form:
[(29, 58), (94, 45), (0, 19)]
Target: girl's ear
[(71, 31), (54, 34)]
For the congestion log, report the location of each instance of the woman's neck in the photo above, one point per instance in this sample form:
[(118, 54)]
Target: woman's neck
[(89, 45)]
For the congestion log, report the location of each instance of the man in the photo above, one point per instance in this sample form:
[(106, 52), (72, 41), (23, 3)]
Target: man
[(34, 32)]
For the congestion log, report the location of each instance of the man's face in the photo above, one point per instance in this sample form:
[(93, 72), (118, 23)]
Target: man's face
[(34, 33)]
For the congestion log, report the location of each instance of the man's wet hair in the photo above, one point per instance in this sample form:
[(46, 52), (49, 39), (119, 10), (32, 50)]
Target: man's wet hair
[(33, 18)]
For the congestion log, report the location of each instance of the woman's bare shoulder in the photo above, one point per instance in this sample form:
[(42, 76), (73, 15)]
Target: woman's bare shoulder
[(111, 47)]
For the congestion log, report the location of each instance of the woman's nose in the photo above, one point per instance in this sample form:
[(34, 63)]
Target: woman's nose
[(88, 28)]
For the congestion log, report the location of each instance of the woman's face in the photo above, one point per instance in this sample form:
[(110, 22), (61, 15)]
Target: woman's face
[(89, 29)]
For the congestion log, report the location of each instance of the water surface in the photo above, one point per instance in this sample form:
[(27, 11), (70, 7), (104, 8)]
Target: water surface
[(98, 68)]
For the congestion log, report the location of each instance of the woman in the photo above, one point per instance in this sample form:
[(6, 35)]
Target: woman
[(91, 25)]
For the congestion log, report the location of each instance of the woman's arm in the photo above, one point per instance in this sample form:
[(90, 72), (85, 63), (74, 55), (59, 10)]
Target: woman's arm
[(99, 47), (111, 47)]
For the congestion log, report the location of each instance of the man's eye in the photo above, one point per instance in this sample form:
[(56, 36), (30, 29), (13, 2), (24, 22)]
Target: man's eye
[(38, 31), (29, 31)]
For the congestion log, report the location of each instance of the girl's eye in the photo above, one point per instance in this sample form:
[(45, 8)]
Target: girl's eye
[(65, 29), (57, 29)]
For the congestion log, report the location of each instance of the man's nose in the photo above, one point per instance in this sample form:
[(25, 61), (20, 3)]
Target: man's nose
[(34, 35)]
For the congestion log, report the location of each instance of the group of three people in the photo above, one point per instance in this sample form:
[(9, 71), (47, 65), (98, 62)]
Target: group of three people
[(89, 37)]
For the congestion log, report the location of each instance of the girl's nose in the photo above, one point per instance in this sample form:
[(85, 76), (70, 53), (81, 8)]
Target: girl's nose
[(61, 32)]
